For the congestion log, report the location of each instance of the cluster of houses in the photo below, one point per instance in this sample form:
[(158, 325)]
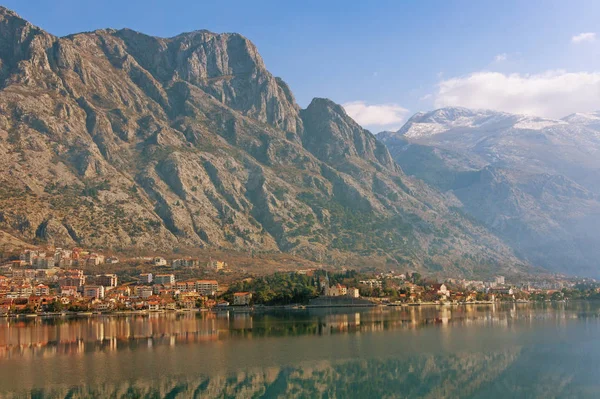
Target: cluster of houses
[(51, 290), (62, 258), (52, 281), (337, 289), (188, 262)]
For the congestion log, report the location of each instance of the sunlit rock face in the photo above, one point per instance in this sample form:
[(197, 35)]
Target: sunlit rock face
[(115, 139)]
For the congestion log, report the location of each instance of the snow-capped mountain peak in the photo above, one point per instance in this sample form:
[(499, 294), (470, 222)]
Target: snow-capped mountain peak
[(589, 119), (427, 124)]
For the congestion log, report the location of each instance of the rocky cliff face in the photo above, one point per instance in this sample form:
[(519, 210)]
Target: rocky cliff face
[(121, 140), (533, 181)]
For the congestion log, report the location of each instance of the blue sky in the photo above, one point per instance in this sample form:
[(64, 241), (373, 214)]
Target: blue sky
[(385, 59)]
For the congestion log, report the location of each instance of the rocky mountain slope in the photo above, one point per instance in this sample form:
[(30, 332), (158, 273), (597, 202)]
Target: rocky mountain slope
[(533, 181), (115, 139)]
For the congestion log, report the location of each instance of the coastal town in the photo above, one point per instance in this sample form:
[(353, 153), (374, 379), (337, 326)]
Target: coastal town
[(61, 281)]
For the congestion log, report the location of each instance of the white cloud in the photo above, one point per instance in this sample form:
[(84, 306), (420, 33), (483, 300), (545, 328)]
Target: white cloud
[(584, 37), (551, 94), (501, 57), (376, 116)]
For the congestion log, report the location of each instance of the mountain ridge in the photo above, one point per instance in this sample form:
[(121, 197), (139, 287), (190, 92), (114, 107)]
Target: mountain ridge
[(116, 139)]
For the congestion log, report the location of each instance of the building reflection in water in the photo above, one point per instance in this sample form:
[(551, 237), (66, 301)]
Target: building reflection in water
[(514, 350), (65, 336)]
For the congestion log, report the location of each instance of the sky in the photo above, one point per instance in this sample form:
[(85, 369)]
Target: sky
[(385, 60)]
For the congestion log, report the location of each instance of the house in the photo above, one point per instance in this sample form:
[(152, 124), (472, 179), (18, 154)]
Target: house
[(242, 298), (146, 278), (186, 262), (142, 291), (43, 262), (29, 255), (337, 290), (372, 283), (164, 279), (207, 287), (93, 291), (181, 286), (188, 300), (102, 306), (23, 290), (123, 290), (158, 261), (65, 262), (73, 277), (169, 304), (94, 260), (68, 290), (107, 280), (216, 265), (111, 260), (153, 306), (41, 289), (353, 292)]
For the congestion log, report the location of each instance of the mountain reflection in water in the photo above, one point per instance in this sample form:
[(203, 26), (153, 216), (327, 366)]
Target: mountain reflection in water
[(474, 351)]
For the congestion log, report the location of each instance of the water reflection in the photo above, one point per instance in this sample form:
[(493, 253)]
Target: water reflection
[(57, 336), (486, 351)]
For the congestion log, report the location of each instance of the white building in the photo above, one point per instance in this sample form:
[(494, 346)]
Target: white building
[(158, 261), (372, 283)]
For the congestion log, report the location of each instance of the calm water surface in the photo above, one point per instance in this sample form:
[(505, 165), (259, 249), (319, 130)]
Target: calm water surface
[(545, 351)]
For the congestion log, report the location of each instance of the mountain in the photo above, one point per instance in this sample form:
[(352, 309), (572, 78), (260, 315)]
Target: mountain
[(115, 139), (533, 181), (590, 119)]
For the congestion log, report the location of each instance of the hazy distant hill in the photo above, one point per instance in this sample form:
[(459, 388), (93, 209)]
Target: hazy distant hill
[(533, 181)]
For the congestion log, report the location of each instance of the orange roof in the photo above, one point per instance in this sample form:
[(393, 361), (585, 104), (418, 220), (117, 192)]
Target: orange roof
[(241, 294)]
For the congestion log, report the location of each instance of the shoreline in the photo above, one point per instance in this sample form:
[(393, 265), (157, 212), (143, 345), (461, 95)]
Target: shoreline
[(254, 309)]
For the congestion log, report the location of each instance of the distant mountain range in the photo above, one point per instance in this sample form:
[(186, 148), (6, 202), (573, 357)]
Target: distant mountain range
[(534, 182), (115, 139)]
